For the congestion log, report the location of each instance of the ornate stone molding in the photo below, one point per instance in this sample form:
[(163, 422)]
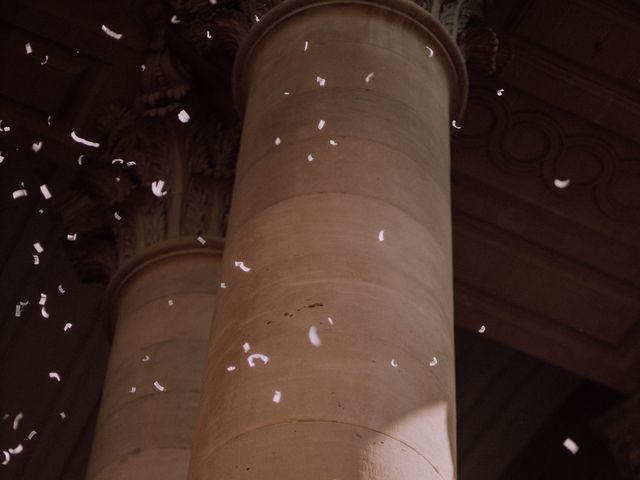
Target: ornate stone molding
[(532, 142), (621, 427)]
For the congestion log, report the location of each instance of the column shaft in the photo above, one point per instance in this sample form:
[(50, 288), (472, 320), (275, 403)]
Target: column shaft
[(345, 224)]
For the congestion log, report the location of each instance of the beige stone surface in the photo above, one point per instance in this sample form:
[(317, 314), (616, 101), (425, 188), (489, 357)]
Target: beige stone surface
[(365, 403), (147, 434)]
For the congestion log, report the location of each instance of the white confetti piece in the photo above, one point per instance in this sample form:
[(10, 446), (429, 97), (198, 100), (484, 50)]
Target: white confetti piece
[(49, 120), (429, 51), (242, 266), (40, 211), (287, 93), (145, 358), (46, 59), (453, 123), (310, 157), (433, 362), (223, 285), (43, 299), (321, 124), (117, 161), (117, 216), (333, 143), (36, 146), (1, 157), (394, 364), (130, 164), (44, 312), (321, 81), (368, 77), (7, 457), (246, 347), (67, 326), (78, 139), (38, 247), (18, 311), (330, 320), (32, 434), (54, 375), (71, 237), (208, 34), (111, 33), (251, 359), (170, 302), (28, 49), (571, 446), (24, 304), (213, 2), (256, 18), (159, 387), (562, 183), (133, 390), (482, 329), (278, 141), (17, 419), (500, 92), (381, 236), (156, 188), (45, 191), (277, 395), (175, 20), (313, 336), (63, 415), (60, 289), (19, 193), (201, 240), (143, 67), (306, 46), (183, 116), (36, 260), (80, 159), (15, 451), (231, 368)]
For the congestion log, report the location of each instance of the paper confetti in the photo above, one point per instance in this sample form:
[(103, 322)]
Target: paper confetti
[(36, 146), (394, 364), (306, 46), (46, 59), (321, 81), (54, 375), (7, 457), (313, 336), (133, 390), (482, 329), (183, 116), (381, 236), (28, 49), (278, 141), (170, 302), (259, 356), (76, 138), (15, 451), (145, 358), (175, 19), (156, 188), (231, 368), (246, 347), (44, 312), (117, 216), (571, 446), (117, 161), (67, 326), (43, 299), (45, 191), (38, 247), (562, 183), (242, 266), (159, 387), (60, 289), (433, 362), (321, 124), (111, 33), (223, 285), (500, 92), (17, 419), (32, 434), (333, 143), (429, 51), (63, 415), (36, 260), (80, 159), (310, 157), (19, 193), (453, 123), (368, 77), (201, 240), (277, 395), (71, 237), (330, 320)]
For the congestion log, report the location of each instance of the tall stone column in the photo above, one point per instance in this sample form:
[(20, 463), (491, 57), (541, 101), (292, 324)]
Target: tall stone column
[(331, 352), (149, 216)]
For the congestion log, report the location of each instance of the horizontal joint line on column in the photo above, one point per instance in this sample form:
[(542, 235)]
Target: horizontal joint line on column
[(312, 420)]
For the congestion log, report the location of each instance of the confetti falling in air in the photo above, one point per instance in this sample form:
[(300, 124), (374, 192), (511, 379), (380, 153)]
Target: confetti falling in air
[(156, 188), (36, 260), (333, 143), (306, 46), (38, 247), (130, 164), (32, 434), (117, 161), (49, 120), (183, 116), (394, 364), (231, 368), (201, 240), (72, 237), (330, 320), (43, 299), (36, 146), (242, 266), (500, 92), (287, 93), (145, 358), (429, 51), (80, 159), (277, 141), (208, 34), (433, 362), (7, 457), (175, 20), (45, 191), (44, 312), (15, 451), (1, 157), (63, 415), (111, 33), (453, 123), (133, 390), (310, 157), (246, 347), (18, 311), (571, 446), (46, 59), (68, 326), (277, 395), (16, 420), (60, 289), (368, 77), (251, 359), (22, 192), (313, 336), (381, 236), (54, 375), (321, 124), (28, 49), (321, 81), (170, 302), (256, 18), (78, 139), (117, 216), (562, 183), (223, 285), (159, 387)]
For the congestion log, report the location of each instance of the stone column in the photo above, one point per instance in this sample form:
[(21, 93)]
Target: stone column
[(331, 353)]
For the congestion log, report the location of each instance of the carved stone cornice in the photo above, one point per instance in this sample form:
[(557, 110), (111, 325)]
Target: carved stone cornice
[(621, 427)]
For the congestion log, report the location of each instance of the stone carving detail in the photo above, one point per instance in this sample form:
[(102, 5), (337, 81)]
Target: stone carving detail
[(621, 427), (533, 143)]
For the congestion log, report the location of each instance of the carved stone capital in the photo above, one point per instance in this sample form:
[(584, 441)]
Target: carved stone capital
[(621, 426)]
